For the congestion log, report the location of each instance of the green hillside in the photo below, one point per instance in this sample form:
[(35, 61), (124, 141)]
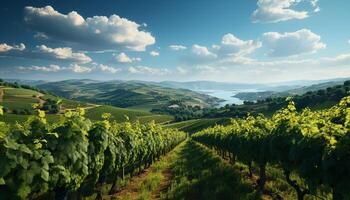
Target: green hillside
[(140, 95), (192, 126), (18, 102)]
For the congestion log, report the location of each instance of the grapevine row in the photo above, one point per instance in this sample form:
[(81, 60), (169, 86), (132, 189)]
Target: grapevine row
[(313, 144), (75, 157)]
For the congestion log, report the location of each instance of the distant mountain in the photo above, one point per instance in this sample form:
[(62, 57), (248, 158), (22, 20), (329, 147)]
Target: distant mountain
[(210, 85), (136, 94), (320, 85), (277, 87), (26, 82)]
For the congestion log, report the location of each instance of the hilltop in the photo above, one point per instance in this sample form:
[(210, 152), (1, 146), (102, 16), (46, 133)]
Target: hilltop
[(18, 101), (127, 94)]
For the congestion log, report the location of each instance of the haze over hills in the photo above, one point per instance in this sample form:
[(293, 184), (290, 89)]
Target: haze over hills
[(318, 85), (202, 84), (135, 94)]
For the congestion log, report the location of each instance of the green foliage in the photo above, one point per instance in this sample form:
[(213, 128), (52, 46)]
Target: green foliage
[(73, 154), (315, 145)]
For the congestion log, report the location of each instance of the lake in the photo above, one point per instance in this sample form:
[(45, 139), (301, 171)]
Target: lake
[(227, 95)]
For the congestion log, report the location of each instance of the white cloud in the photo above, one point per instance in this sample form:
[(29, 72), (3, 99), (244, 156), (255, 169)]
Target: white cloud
[(182, 70), (50, 68), (314, 4), (5, 47), (340, 60), (92, 33), (154, 53), (231, 45), (123, 58), (273, 11), (176, 47), (44, 52), (293, 43), (202, 51), (108, 69), (148, 70), (80, 69), (63, 53)]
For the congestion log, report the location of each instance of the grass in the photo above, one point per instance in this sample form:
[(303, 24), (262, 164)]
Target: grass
[(20, 91), (66, 103), (20, 99), (13, 118), (118, 114), (192, 126), (155, 182), (157, 118), (201, 174), (276, 186)]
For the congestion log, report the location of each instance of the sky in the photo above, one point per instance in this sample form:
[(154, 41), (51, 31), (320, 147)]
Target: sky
[(247, 41)]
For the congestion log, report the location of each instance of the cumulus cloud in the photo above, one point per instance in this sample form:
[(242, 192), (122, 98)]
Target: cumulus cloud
[(292, 43), (177, 47), (79, 69), (154, 53), (91, 33), (202, 51), (148, 70), (49, 68), (123, 58), (63, 53), (44, 52), (108, 69), (231, 45), (273, 11), (5, 47)]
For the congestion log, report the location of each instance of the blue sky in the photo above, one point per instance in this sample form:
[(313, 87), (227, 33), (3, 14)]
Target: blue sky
[(223, 40)]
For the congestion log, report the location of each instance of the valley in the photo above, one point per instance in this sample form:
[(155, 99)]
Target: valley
[(175, 100)]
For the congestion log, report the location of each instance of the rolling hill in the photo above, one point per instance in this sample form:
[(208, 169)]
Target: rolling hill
[(126, 94), (18, 102)]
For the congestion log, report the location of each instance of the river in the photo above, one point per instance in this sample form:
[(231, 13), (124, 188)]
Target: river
[(227, 95)]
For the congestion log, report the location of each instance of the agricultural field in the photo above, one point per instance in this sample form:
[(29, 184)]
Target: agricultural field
[(192, 126), (16, 98)]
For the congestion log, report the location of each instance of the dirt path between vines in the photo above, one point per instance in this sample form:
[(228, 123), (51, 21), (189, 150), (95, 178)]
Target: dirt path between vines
[(164, 184), (162, 168), (132, 189)]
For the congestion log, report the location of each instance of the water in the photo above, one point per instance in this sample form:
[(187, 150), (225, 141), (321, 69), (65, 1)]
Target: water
[(227, 95)]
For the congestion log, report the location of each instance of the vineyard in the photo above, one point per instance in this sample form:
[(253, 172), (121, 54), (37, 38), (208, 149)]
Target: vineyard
[(312, 148), (75, 157), (292, 155)]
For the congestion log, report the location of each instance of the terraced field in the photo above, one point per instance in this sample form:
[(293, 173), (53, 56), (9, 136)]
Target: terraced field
[(16, 98)]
